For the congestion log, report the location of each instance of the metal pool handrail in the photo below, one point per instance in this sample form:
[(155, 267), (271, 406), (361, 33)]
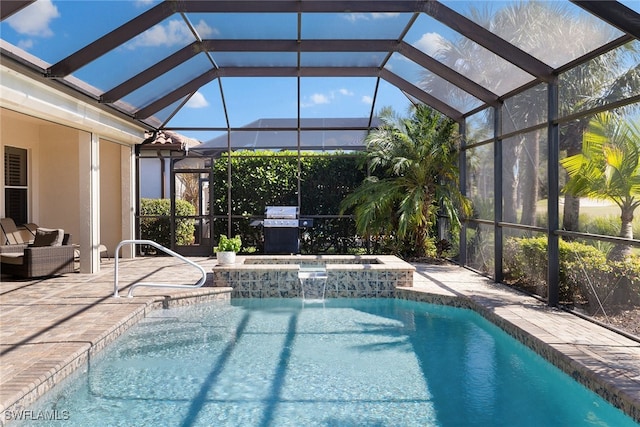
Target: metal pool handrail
[(158, 285)]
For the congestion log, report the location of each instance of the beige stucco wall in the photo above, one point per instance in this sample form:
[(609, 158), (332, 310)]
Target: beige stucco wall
[(58, 179), (110, 195), (80, 160), (15, 132), (55, 174)]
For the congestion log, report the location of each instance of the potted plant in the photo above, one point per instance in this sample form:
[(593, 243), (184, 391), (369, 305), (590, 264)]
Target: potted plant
[(227, 249)]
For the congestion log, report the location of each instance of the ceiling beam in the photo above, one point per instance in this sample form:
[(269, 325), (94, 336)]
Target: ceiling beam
[(150, 73), (450, 75), (188, 52), (110, 41), (175, 95), (407, 50), (421, 95), (614, 13), (292, 45), (205, 78), (9, 7), (488, 40), (295, 6)]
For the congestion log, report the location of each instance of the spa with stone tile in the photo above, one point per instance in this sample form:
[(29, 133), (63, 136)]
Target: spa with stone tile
[(264, 276)]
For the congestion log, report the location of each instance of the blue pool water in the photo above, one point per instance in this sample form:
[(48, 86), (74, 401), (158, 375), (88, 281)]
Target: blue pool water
[(349, 362)]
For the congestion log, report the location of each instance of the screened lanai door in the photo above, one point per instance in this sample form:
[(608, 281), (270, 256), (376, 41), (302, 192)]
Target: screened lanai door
[(190, 198)]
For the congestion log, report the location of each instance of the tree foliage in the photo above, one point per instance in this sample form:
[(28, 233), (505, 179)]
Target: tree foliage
[(533, 26), (414, 176), (608, 168), (267, 178)]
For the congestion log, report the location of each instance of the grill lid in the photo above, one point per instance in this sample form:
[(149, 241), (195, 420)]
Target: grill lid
[(280, 222), (281, 212)]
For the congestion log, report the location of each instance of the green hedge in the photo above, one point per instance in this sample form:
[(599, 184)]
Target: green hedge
[(585, 273), (267, 178), (155, 220)]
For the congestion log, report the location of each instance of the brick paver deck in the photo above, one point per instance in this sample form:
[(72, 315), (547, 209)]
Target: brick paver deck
[(48, 328)]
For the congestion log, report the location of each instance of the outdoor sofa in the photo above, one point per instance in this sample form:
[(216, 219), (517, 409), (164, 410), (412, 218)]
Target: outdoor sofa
[(51, 252)]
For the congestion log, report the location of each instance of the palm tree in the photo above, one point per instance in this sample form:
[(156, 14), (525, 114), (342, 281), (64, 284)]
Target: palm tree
[(601, 81), (417, 160), (534, 26), (608, 168)]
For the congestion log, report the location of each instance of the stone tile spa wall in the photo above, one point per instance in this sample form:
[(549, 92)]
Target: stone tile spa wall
[(347, 276)]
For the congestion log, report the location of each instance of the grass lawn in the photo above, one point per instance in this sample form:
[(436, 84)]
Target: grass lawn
[(591, 210)]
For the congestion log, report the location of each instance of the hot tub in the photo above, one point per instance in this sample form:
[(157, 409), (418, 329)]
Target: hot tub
[(348, 276)]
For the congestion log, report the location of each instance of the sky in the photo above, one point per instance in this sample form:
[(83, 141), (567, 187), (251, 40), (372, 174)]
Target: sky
[(54, 29)]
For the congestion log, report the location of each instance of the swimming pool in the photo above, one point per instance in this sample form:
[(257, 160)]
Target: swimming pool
[(349, 362)]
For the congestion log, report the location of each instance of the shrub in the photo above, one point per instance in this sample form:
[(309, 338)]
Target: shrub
[(525, 263), (265, 178), (605, 225), (580, 264), (155, 220), (585, 272)]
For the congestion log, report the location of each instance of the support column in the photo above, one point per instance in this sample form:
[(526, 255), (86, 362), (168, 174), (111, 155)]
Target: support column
[(128, 187), (462, 170), (553, 250), (89, 182), (497, 191)]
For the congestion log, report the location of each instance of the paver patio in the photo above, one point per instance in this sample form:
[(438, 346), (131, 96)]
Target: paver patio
[(48, 328)]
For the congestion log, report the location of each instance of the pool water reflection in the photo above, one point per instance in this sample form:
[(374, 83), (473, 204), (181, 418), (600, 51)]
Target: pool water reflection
[(280, 362)]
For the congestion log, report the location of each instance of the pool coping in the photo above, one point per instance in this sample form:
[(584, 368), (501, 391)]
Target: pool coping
[(603, 361)]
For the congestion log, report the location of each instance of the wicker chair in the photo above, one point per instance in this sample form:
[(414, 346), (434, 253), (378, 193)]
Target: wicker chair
[(27, 261), (12, 235)]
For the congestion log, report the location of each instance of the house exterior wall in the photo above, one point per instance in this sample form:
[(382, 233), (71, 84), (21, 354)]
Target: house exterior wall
[(151, 178), (15, 132), (111, 195), (58, 194), (81, 172)]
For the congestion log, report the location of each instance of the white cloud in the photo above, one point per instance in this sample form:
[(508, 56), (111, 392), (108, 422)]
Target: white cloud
[(431, 43), (197, 101), (204, 30), (366, 99), (318, 98), (345, 92), (35, 19), (25, 44), (321, 98), (353, 17), (175, 32), (384, 15)]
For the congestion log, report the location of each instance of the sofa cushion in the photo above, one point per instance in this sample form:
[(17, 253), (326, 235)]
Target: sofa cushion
[(12, 258), (48, 237), (11, 232)]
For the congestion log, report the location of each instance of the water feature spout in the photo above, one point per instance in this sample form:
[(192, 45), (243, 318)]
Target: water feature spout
[(313, 283)]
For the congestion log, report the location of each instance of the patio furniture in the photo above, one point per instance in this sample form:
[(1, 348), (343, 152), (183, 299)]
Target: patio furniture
[(13, 235), (51, 252)]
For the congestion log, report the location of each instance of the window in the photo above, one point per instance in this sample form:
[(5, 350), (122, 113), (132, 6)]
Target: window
[(15, 184)]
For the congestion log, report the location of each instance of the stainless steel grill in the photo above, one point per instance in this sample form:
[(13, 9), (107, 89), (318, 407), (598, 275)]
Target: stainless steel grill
[(280, 216), (282, 229)]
